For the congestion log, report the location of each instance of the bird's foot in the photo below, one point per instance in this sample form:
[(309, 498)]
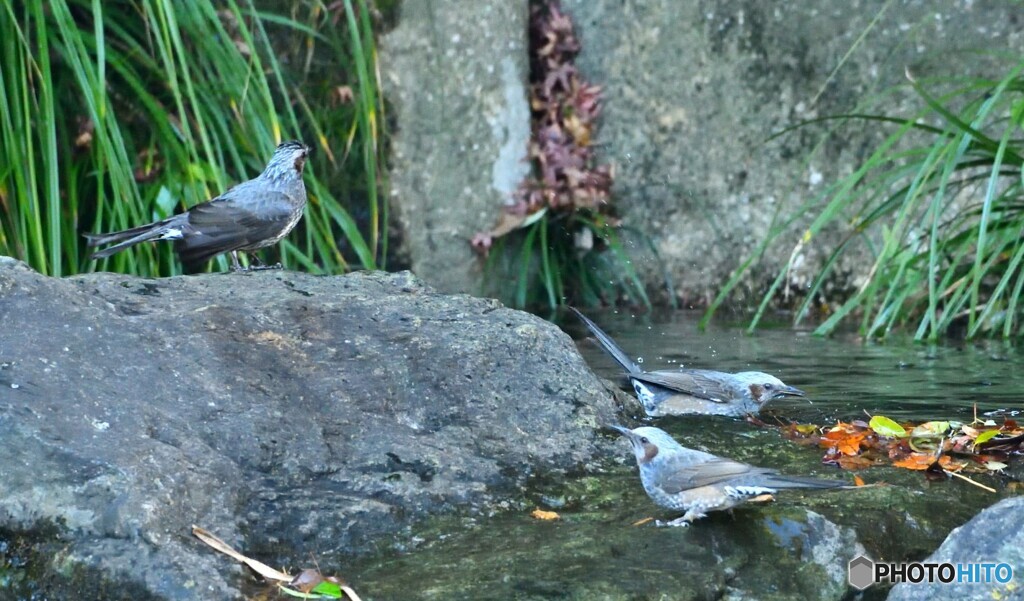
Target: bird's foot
[(680, 522), (266, 267), (684, 521)]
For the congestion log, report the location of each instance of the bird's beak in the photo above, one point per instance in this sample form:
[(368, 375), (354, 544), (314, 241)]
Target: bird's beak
[(634, 440), (621, 430), (789, 391)]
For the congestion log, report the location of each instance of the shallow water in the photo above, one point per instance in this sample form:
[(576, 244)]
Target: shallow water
[(594, 551), (842, 376)]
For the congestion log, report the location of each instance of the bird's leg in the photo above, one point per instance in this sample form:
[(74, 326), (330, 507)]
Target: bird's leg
[(235, 265)]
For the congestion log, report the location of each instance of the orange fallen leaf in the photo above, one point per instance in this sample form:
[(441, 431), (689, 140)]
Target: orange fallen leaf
[(540, 514), (854, 462), (851, 445), (857, 480), (922, 461), (915, 461), (846, 441)]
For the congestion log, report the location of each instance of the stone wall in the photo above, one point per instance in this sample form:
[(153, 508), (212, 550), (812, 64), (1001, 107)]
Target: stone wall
[(693, 91)]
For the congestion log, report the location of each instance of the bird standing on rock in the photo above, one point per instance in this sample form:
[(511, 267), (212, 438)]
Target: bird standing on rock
[(252, 215), (694, 391), (697, 482)]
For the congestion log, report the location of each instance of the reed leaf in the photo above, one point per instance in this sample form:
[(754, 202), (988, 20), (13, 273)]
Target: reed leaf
[(117, 114)]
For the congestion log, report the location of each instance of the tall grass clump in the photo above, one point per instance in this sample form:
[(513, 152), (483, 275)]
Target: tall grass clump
[(942, 219), (114, 114)]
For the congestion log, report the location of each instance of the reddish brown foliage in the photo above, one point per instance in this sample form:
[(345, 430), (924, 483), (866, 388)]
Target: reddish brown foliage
[(564, 113)]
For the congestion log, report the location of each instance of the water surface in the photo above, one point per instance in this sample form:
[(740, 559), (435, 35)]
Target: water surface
[(594, 551)]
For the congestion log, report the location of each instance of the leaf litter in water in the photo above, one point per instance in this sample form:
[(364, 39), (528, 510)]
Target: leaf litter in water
[(940, 449)]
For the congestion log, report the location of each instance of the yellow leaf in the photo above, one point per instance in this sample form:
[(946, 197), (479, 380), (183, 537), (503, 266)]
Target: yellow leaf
[(985, 436), (540, 514)]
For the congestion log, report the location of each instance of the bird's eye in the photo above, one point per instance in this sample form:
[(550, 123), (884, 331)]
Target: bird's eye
[(768, 386), (643, 440)]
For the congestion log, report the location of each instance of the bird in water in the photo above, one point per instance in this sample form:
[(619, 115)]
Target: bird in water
[(696, 482), (252, 215), (694, 391)]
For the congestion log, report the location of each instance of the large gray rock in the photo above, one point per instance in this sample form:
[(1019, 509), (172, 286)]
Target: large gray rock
[(993, 536), (287, 413), (456, 73), (692, 91)]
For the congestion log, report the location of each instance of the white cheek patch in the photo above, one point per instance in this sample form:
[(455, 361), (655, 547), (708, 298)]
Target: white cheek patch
[(172, 233)]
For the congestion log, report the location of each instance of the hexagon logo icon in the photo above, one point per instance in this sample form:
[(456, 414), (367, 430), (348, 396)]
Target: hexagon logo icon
[(862, 571)]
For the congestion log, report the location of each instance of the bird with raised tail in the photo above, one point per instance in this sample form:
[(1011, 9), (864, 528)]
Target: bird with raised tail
[(252, 215), (696, 482), (694, 391)]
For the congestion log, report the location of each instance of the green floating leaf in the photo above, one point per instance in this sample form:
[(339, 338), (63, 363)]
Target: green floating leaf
[(311, 595), (328, 589), (985, 436), (883, 426)]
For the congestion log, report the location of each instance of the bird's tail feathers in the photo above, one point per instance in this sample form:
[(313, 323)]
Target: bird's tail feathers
[(780, 481), (609, 345), (125, 238)]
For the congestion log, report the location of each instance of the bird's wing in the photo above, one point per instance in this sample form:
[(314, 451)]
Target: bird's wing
[(235, 220), (678, 478), (694, 382)]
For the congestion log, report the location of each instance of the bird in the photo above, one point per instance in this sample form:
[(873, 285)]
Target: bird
[(696, 482), (694, 391), (251, 215)]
